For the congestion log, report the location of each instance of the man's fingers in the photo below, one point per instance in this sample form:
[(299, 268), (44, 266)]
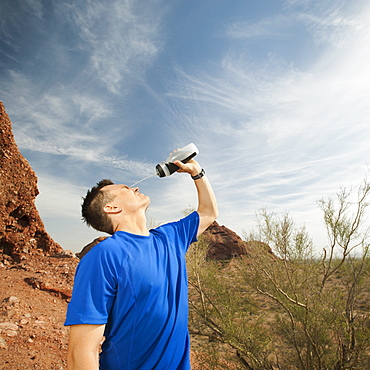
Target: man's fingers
[(179, 164)]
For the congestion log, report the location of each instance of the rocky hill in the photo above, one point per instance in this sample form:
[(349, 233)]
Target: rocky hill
[(223, 242), (22, 231)]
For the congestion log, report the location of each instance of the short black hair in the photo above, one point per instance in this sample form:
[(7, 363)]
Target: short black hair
[(92, 207)]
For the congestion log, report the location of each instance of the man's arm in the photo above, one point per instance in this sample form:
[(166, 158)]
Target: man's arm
[(207, 205), (83, 346)]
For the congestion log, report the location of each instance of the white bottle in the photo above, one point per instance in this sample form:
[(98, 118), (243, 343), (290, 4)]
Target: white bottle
[(167, 167)]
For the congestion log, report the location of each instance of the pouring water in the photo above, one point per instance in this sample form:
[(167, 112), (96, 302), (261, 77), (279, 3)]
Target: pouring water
[(145, 178)]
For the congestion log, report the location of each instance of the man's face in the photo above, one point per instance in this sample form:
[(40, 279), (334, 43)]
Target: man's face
[(129, 199)]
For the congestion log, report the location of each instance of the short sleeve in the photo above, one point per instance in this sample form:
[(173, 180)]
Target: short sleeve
[(94, 287), (183, 232)]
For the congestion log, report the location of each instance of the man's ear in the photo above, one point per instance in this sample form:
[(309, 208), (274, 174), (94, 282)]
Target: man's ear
[(111, 209)]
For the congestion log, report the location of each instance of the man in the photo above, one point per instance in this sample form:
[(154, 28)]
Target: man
[(132, 287)]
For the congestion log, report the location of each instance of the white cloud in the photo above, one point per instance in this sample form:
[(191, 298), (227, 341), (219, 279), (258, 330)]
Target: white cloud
[(60, 123), (282, 102), (272, 27), (286, 137), (76, 117), (336, 23), (121, 37), (91, 107)]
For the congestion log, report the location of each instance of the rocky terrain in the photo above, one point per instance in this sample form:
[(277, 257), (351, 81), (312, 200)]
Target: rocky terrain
[(33, 302), (22, 231), (36, 274)]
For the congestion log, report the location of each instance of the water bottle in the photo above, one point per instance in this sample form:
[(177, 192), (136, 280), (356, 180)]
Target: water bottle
[(167, 167)]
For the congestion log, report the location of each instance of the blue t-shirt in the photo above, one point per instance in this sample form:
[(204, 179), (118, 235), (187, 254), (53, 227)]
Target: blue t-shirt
[(137, 286)]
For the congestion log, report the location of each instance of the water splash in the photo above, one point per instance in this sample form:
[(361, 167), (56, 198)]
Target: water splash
[(145, 178)]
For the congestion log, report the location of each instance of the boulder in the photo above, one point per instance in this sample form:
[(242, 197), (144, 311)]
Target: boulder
[(223, 242)]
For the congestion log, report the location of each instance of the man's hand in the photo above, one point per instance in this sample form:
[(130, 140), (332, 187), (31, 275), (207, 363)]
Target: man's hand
[(192, 167)]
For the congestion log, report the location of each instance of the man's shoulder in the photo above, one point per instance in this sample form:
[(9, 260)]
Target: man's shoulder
[(174, 230), (103, 247), (191, 216)]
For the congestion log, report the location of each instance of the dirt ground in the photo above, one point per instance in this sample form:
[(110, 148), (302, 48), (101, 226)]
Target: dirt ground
[(33, 301)]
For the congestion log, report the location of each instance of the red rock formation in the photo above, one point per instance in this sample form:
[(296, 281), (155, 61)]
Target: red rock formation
[(223, 242), (22, 231)]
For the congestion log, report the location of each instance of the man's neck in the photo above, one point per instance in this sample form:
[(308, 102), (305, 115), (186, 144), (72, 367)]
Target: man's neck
[(136, 231), (133, 226)]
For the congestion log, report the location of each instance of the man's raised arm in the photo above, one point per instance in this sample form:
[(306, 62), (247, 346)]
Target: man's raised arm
[(207, 205)]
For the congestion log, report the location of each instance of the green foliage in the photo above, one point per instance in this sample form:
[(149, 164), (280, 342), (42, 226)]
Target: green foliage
[(220, 307), (280, 233), (290, 310)]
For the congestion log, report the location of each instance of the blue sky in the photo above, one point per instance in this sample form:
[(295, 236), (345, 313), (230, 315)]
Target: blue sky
[(275, 94)]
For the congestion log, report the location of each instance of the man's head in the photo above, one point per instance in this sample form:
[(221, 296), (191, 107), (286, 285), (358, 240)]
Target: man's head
[(93, 207), (106, 203)]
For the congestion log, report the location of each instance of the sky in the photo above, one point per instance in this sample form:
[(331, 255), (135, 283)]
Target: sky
[(275, 95)]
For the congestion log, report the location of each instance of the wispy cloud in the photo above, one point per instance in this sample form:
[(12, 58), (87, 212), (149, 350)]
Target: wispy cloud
[(280, 101), (122, 37), (75, 116), (334, 23), (272, 27), (68, 124), (288, 131)]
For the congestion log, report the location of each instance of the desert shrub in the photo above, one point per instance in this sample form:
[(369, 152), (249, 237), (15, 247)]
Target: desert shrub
[(292, 309), (222, 311)]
